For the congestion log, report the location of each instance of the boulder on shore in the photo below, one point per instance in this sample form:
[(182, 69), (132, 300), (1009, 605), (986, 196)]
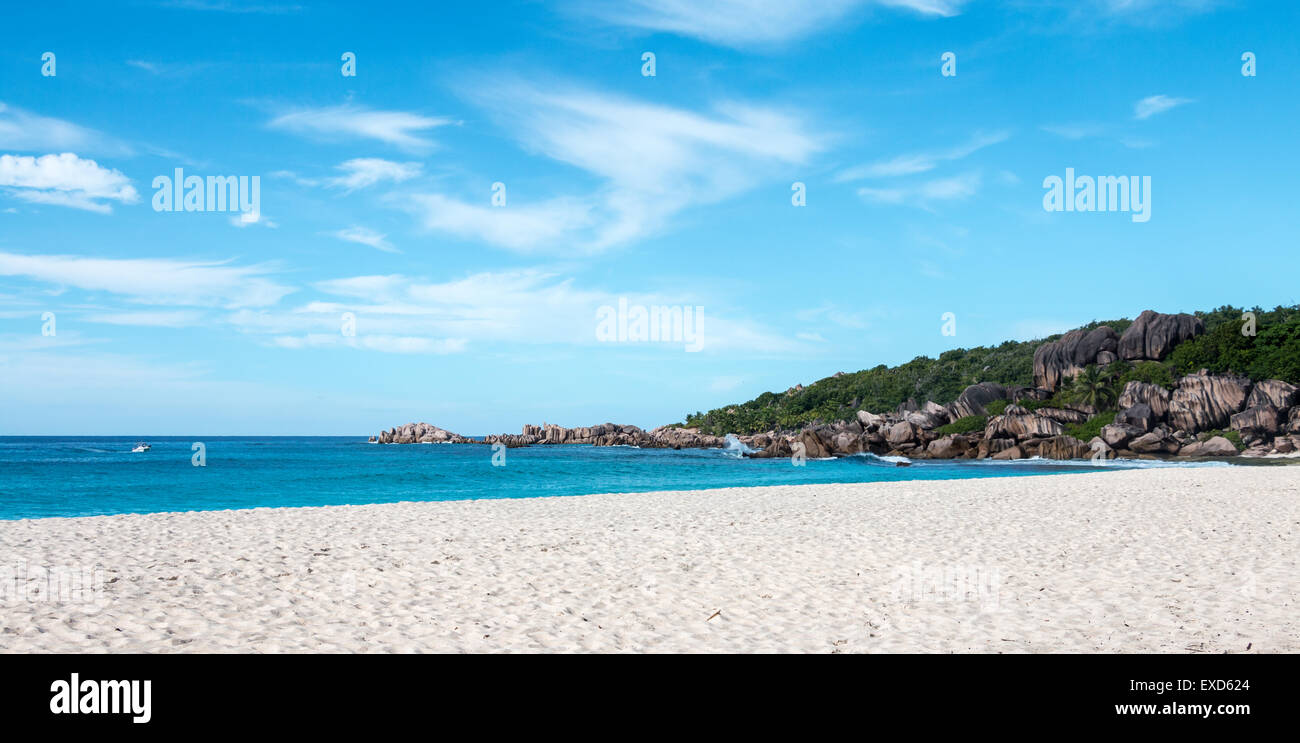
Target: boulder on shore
[(1275, 392), (1216, 446), (1203, 402)]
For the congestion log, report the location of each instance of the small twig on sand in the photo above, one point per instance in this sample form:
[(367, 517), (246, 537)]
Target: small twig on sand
[(716, 613)]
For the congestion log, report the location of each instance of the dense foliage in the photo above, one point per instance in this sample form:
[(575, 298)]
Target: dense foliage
[(1273, 353)]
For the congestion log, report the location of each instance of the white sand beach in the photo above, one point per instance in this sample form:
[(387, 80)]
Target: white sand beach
[(1157, 560)]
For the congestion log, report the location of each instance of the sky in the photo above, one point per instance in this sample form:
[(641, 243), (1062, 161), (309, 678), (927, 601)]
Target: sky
[(447, 235)]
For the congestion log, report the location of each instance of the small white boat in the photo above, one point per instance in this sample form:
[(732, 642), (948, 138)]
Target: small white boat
[(142, 446)]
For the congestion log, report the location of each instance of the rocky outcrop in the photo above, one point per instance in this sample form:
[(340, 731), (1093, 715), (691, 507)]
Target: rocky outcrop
[(1117, 435), (1063, 447), (1261, 420), (419, 433), (1024, 426), (1158, 441), (1275, 392), (900, 433), (1063, 415), (1137, 416), (1216, 446), (1202, 402), (930, 415), (951, 446), (1153, 396), (869, 421), (973, 399), (1069, 355), (1153, 335)]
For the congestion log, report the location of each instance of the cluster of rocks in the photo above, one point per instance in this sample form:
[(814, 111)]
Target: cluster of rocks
[(605, 434), (1152, 421)]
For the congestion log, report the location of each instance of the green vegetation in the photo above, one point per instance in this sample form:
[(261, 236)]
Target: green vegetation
[(969, 424), (1094, 387), (1273, 353), (1091, 427)]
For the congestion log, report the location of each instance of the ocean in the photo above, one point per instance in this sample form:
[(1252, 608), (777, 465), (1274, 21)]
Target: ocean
[(89, 476)]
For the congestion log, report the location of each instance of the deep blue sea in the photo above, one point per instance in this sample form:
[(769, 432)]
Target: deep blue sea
[(84, 476)]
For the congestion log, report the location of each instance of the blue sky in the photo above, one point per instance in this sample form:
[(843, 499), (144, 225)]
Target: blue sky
[(924, 196)]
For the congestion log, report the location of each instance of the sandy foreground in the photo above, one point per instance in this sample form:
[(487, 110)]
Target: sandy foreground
[(1165, 560)]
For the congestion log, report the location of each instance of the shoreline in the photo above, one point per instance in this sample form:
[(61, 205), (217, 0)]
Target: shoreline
[(1184, 559)]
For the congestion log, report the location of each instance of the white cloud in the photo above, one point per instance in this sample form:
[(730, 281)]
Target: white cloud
[(654, 161), (519, 228), (252, 219), (23, 131), (398, 128), (745, 22), (924, 194), (167, 319), (921, 162), (152, 280), (383, 343), (1156, 104), (365, 236), (65, 180), (367, 171), (523, 307)]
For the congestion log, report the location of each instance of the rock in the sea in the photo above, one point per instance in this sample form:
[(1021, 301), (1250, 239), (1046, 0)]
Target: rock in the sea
[(1202, 402), (779, 448), (1216, 446), (1011, 453), (1261, 420), (1153, 335), (1275, 392), (1069, 355), (973, 399), (1153, 396), (814, 448)]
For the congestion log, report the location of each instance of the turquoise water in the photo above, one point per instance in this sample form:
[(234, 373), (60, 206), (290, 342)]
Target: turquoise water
[(56, 476)]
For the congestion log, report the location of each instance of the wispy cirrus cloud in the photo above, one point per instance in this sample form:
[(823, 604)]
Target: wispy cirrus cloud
[(365, 236), (1156, 104), (24, 131), (401, 129), (911, 164), (65, 180), (741, 23), (157, 281), (532, 307), (652, 160), (925, 194)]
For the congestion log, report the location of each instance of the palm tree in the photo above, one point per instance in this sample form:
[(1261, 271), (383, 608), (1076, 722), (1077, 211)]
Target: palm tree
[(1093, 387)]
